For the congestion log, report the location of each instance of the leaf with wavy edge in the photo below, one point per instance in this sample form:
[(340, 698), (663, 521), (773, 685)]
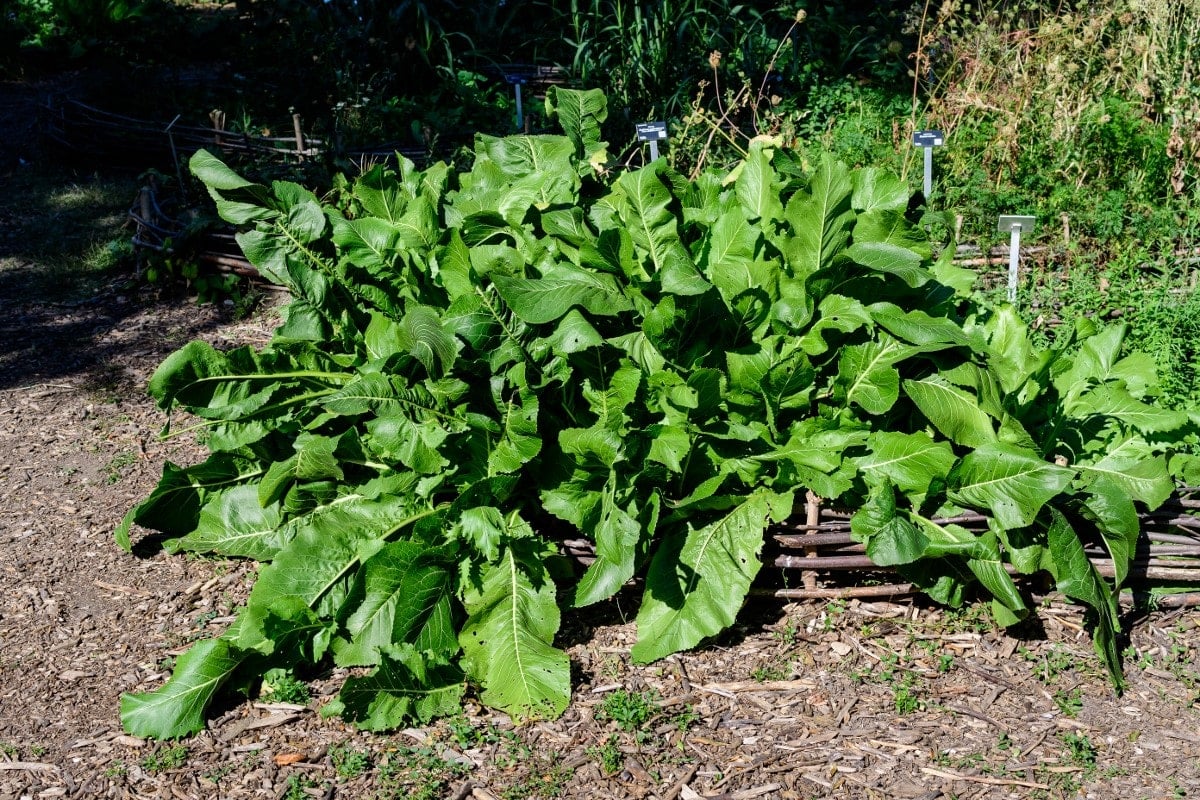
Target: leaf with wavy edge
[(407, 687), (177, 708), (1011, 482), (508, 638), (698, 580), (953, 411)]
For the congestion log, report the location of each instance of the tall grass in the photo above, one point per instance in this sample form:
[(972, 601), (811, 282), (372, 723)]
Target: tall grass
[(1092, 112)]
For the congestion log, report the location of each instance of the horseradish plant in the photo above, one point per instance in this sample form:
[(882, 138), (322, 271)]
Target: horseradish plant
[(475, 365)]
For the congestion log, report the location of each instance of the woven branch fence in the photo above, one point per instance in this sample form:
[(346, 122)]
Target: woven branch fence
[(814, 556), (80, 128)]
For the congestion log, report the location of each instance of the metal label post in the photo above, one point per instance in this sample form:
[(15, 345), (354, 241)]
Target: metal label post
[(517, 80), (1014, 226), (652, 132), (927, 140)]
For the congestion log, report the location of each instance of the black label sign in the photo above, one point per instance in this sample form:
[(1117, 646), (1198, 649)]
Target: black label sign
[(651, 131), (928, 139)]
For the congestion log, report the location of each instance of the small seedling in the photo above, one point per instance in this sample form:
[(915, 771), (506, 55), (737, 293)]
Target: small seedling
[(1069, 703), (608, 754), (114, 470), (903, 699), (281, 686), (349, 762), (164, 758), (1080, 750), (297, 786), (467, 735), (773, 670), (630, 710), (546, 783)]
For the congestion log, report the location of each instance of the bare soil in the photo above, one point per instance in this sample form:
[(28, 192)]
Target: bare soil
[(810, 700)]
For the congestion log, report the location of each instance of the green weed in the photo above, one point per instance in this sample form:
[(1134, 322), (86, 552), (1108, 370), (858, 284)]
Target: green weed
[(282, 686), (417, 773), (349, 762), (543, 783), (1080, 750), (608, 754), (1070, 703), (297, 787), (114, 470), (164, 758), (630, 710)]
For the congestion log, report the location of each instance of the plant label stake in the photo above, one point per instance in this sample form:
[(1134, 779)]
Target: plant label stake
[(927, 140), (517, 79), (652, 132), (1014, 226)]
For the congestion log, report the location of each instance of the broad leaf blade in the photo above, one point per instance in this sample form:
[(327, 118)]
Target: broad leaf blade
[(407, 687), (1078, 579), (697, 582), (507, 639), (1011, 482), (177, 709), (953, 411)]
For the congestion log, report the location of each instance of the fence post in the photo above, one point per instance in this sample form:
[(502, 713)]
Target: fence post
[(299, 136)]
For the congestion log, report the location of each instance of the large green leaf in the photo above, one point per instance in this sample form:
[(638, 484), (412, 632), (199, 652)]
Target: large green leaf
[(398, 593), (867, 376), (1111, 509), (1134, 467), (1078, 579), (909, 460), (580, 113), (538, 300), (174, 506), (238, 200), (368, 242), (891, 259), (520, 441), (1117, 403), (407, 687), (233, 523), (758, 187), (953, 411), (820, 218), (383, 197), (508, 638), (642, 201), (891, 539), (918, 327), (177, 709), (878, 189), (618, 536), (1011, 482), (698, 581), (318, 564)]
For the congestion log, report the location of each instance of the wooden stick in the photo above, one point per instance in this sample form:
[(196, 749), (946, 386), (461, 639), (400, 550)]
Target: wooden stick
[(983, 779), (812, 507), (299, 136), (217, 116), (844, 593)]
